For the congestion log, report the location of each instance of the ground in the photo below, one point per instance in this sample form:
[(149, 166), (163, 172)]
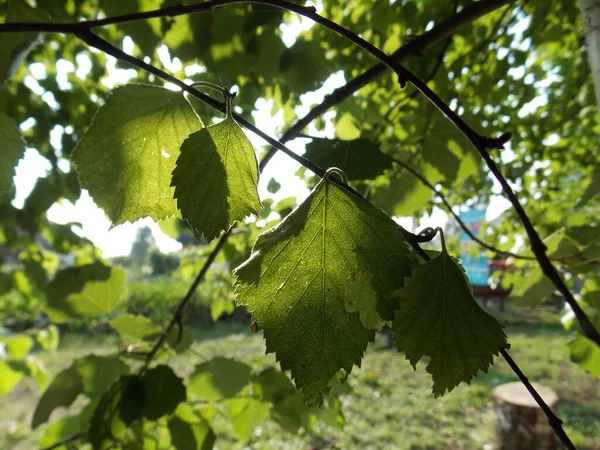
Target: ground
[(390, 405)]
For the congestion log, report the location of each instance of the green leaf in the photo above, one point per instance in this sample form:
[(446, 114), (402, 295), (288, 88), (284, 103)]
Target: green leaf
[(16, 46), (287, 409), (63, 391), (145, 33), (18, 347), (346, 129), (219, 306), (120, 406), (10, 376), (304, 65), (90, 375), (66, 427), (273, 186), (448, 150), (218, 378), (246, 414), (191, 436), (12, 148), (272, 385), (180, 339), (164, 391), (48, 338), (585, 353), (531, 287), (134, 327), (404, 194), (439, 318), (126, 157), (360, 159), (592, 189), (98, 373), (86, 290), (215, 178), (294, 283), (361, 298)]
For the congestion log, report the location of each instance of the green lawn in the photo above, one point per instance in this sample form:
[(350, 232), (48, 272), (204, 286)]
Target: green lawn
[(390, 406)]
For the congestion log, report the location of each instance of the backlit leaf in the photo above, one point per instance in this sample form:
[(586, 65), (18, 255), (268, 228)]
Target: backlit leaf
[(126, 157), (294, 283), (120, 406), (86, 290), (63, 391), (531, 287), (16, 46), (585, 353), (215, 178), (90, 375), (361, 298), (48, 338), (12, 149), (218, 378), (66, 427), (145, 33), (246, 414), (439, 318), (180, 339), (10, 376), (403, 194), (134, 327), (592, 189), (360, 159), (164, 391), (17, 346), (191, 436)]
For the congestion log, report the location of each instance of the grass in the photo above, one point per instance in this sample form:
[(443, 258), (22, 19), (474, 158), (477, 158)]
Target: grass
[(390, 405)]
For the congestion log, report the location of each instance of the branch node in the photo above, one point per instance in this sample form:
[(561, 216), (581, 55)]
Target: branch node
[(401, 82), (497, 142)]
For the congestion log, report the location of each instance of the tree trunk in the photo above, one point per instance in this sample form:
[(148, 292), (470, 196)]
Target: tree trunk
[(590, 12), (520, 423)]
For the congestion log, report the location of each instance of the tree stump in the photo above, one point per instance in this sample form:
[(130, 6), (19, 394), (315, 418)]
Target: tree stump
[(520, 422)]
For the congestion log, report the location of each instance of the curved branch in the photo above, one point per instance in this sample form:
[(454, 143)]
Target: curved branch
[(466, 229), (481, 143), (414, 48)]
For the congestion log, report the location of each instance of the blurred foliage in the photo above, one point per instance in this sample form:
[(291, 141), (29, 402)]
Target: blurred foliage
[(520, 68)]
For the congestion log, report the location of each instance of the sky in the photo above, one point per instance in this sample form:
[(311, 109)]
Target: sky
[(117, 241)]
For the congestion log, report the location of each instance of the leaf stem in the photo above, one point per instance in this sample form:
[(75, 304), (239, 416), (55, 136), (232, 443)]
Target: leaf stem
[(213, 86)]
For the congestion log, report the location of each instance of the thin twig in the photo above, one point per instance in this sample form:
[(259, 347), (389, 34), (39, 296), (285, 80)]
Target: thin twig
[(414, 48), (480, 142), (178, 315), (465, 228), (554, 422)]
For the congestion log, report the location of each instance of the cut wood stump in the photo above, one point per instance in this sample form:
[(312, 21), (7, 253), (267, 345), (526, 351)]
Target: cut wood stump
[(520, 422)]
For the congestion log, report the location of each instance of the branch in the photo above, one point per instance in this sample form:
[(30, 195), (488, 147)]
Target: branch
[(97, 42), (480, 142), (414, 48), (471, 12), (466, 229), (178, 315), (554, 422)]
